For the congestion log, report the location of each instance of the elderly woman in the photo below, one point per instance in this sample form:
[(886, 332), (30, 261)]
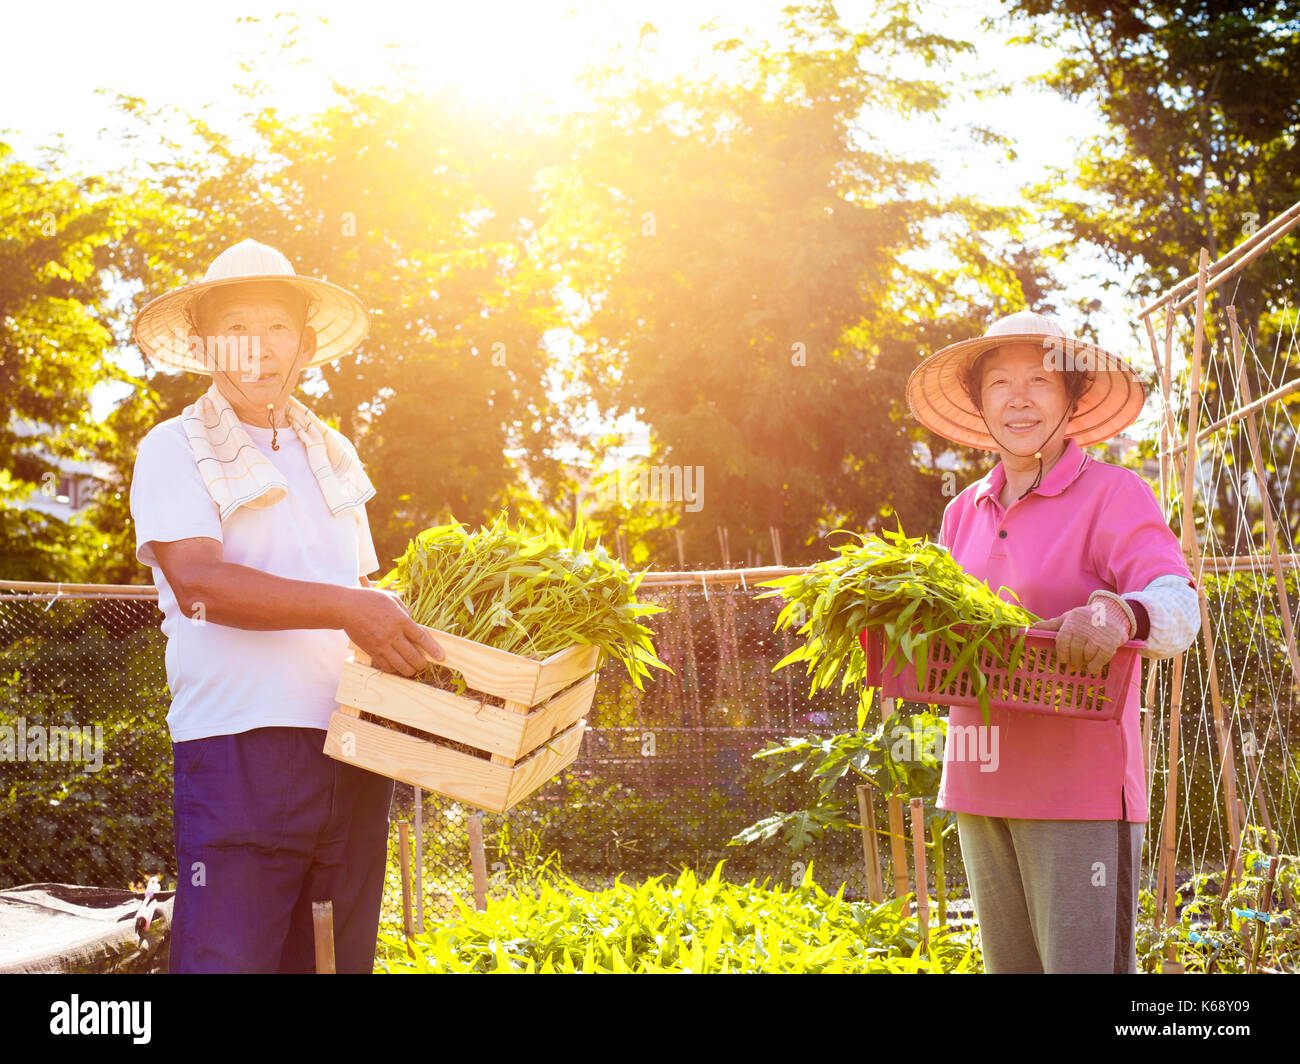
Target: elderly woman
[(1052, 838)]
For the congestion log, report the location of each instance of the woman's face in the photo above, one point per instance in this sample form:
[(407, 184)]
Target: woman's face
[(1023, 399)]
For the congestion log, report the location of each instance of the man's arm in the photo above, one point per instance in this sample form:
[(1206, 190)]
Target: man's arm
[(238, 596)]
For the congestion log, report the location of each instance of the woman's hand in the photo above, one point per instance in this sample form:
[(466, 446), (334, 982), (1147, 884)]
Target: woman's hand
[(1087, 637)]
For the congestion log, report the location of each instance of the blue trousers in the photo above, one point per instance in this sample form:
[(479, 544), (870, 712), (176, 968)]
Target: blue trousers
[(266, 824)]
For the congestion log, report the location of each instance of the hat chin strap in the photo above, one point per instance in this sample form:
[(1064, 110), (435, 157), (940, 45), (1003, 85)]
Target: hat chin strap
[(1038, 477), (270, 407)]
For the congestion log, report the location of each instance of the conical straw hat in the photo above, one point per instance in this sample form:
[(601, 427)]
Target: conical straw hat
[(163, 327), (1109, 404)]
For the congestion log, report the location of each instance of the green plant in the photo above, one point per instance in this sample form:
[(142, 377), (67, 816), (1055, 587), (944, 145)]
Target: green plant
[(683, 926), (900, 756), (915, 593), (1214, 932), (528, 593)]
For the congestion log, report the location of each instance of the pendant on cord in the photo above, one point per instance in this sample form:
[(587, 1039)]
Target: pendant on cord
[(270, 420)]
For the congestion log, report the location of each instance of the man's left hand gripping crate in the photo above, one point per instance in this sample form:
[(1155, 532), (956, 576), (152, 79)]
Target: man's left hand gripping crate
[(524, 720)]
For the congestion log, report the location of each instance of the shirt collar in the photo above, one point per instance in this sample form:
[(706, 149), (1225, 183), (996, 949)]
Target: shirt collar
[(1066, 471)]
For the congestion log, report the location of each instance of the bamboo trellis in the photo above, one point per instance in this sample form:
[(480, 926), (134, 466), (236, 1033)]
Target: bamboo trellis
[(1194, 290)]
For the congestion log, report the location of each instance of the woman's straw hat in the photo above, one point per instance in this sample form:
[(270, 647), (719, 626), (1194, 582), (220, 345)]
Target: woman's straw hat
[(1109, 403), (163, 327)]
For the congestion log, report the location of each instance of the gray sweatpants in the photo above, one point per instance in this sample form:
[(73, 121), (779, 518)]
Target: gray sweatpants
[(1053, 896)]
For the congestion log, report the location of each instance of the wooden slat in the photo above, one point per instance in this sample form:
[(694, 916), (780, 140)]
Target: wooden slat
[(564, 668), (420, 763), (498, 731), (508, 676), (467, 779), (529, 775), (547, 721), (431, 709)]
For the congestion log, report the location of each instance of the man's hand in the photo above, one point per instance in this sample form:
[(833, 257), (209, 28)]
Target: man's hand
[(1087, 637), (380, 624)]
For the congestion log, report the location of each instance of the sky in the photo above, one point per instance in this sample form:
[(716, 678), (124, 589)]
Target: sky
[(59, 85)]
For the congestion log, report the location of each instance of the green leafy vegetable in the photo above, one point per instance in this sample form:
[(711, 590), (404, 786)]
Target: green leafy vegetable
[(912, 591), (532, 594)]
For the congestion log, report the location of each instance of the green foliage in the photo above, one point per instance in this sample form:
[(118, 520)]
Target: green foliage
[(1200, 103), (81, 667), (901, 755), (1220, 932), (913, 592), (742, 245), (683, 926), (531, 594), (59, 243)]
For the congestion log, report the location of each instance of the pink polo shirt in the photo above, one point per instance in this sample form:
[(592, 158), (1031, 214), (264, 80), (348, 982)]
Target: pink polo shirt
[(1089, 525)]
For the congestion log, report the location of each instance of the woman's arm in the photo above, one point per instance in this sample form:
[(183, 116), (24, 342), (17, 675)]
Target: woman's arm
[(1173, 610)]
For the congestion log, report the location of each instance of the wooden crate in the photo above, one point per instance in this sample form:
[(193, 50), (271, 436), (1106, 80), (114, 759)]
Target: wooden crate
[(535, 735)]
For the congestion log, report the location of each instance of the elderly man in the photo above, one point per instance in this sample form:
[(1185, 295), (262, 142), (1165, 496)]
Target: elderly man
[(250, 511)]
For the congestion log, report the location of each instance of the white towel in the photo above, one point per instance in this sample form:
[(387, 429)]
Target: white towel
[(238, 474)]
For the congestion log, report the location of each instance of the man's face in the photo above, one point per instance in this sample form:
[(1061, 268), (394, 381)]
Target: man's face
[(265, 322)]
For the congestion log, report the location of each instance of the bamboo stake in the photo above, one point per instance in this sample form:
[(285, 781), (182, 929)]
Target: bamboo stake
[(419, 861), (870, 850), (1229, 875), (897, 841), (1160, 880), (1147, 731), (1244, 261), (922, 879), (1227, 763), (1236, 563), (1265, 496), (322, 918), (1167, 402), (1280, 392), (1265, 905), (1191, 551), (681, 552), (478, 860), (1190, 548), (404, 847), (1227, 265), (80, 589)]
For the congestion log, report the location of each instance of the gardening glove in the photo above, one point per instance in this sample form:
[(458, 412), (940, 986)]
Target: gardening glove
[(1088, 636)]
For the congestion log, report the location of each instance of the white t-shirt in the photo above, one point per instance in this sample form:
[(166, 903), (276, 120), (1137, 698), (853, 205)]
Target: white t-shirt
[(227, 680)]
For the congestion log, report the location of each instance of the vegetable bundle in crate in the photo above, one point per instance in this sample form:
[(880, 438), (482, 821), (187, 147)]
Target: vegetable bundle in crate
[(901, 615), (524, 621)]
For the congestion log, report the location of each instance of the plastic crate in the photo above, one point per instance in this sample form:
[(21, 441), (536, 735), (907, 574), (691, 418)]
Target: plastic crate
[(1041, 684)]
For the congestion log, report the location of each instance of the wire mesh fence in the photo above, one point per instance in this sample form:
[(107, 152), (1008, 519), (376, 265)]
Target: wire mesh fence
[(665, 777)]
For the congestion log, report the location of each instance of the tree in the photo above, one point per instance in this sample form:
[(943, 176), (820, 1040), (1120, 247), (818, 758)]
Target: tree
[(58, 238), (1201, 103), (423, 207), (741, 246)]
